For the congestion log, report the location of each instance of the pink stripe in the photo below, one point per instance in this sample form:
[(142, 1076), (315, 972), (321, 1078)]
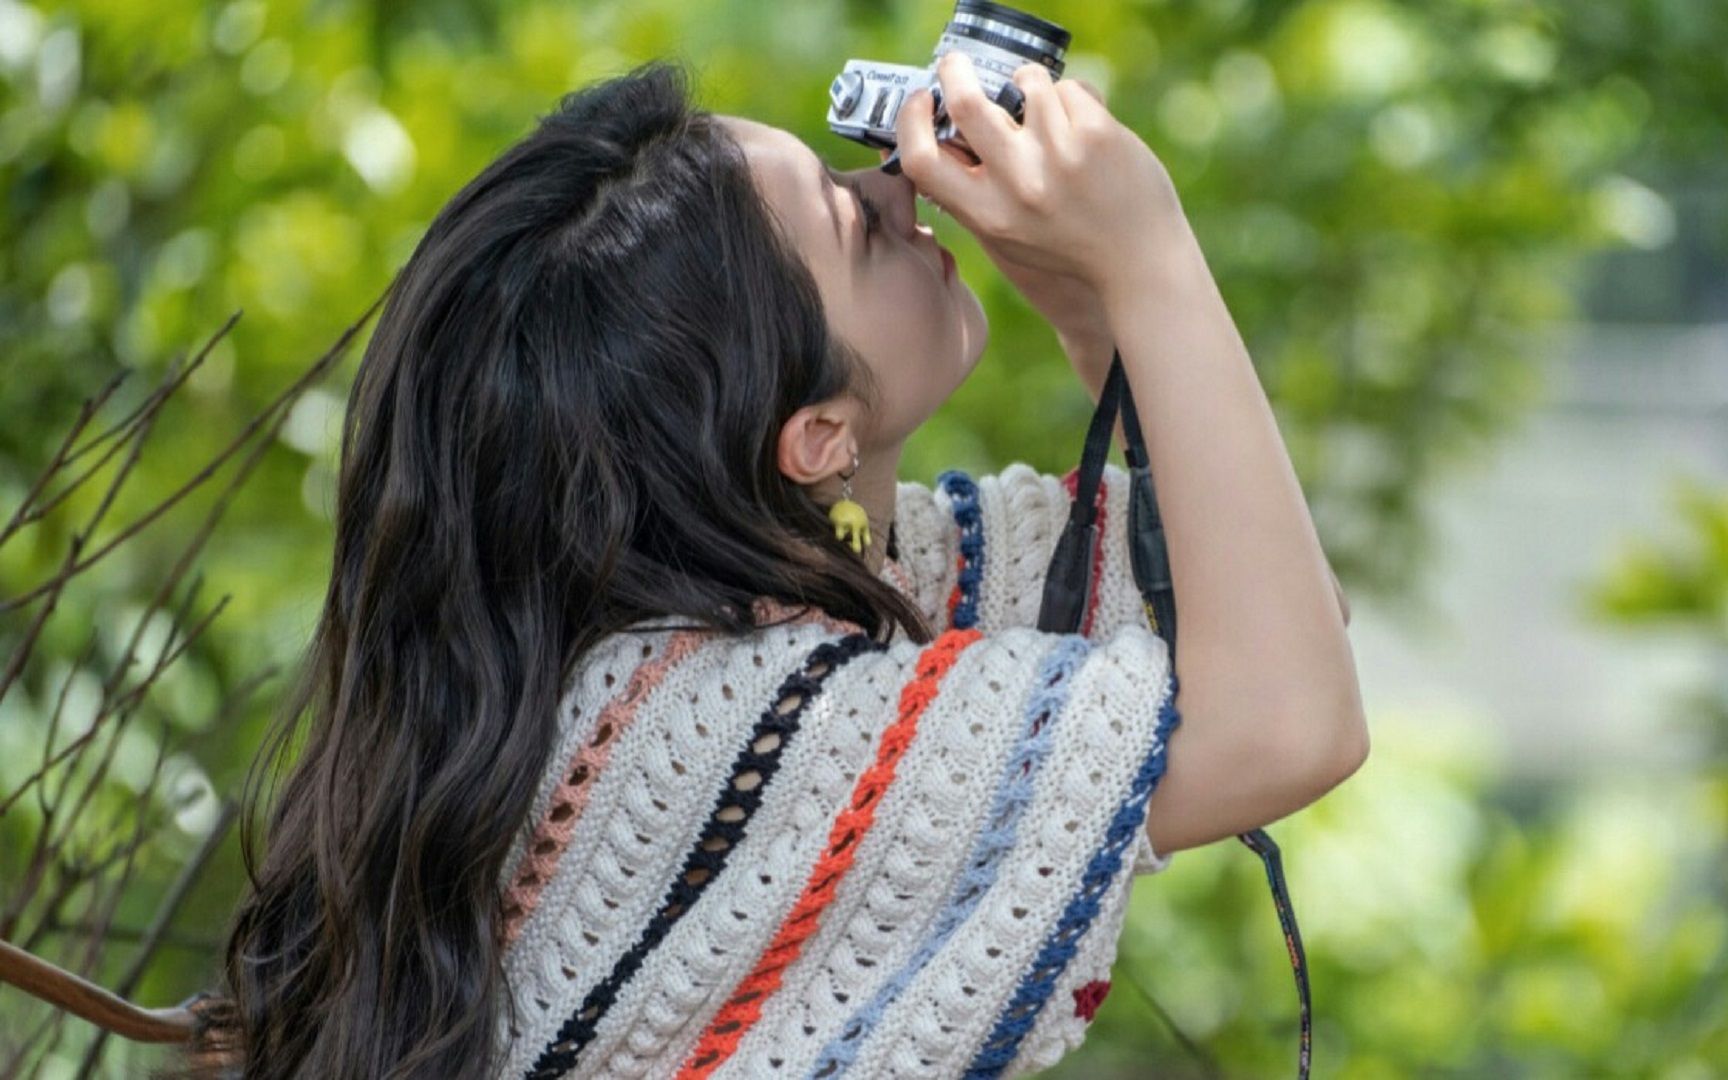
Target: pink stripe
[(903, 580), (552, 835)]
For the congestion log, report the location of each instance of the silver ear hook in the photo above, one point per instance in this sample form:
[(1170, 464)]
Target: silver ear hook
[(851, 523)]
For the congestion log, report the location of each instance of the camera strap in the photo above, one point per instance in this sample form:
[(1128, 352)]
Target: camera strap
[(1067, 587)]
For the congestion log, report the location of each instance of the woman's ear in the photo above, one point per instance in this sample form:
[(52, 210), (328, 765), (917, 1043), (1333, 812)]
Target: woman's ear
[(815, 443)]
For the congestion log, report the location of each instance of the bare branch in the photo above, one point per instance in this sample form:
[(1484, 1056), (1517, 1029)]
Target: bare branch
[(65, 852), (154, 934), (299, 385), (85, 412), (169, 939), (141, 830), (144, 412)]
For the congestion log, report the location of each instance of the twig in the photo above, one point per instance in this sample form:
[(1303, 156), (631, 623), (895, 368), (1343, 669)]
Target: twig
[(20, 655), (128, 703), (59, 847), (28, 514), (85, 412), (154, 933), (1207, 1063), (311, 375), (134, 934), (141, 829)]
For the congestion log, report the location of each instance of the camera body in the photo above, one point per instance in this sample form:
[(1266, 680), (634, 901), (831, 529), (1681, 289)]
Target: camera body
[(864, 100)]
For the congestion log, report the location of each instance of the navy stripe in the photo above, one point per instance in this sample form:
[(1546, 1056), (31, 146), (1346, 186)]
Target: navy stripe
[(963, 499), (727, 823)]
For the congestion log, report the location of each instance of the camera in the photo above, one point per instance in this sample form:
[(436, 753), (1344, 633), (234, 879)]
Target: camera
[(864, 99)]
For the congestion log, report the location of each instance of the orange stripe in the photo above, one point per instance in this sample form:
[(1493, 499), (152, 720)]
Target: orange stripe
[(721, 1038)]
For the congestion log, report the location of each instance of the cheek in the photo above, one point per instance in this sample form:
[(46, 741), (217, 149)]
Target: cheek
[(918, 318), (914, 332), (919, 342)]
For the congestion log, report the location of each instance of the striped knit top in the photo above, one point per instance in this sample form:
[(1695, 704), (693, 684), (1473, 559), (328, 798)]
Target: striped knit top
[(800, 853)]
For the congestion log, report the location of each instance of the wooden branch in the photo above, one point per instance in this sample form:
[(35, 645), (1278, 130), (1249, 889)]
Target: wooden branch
[(83, 999)]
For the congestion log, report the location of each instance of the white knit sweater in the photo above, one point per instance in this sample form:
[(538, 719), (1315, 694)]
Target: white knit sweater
[(800, 854)]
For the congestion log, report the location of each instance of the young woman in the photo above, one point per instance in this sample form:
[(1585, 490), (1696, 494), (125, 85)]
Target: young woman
[(624, 760)]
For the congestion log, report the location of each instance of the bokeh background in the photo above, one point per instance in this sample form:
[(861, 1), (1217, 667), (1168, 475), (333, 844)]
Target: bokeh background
[(1479, 252)]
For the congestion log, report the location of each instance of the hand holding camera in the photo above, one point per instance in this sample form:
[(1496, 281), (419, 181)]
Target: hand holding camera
[(1070, 190)]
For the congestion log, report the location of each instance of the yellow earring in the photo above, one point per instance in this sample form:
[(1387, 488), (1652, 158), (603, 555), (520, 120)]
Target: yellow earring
[(851, 524)]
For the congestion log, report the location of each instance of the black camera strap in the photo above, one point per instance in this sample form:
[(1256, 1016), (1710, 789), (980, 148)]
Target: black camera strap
[(1068, 584)]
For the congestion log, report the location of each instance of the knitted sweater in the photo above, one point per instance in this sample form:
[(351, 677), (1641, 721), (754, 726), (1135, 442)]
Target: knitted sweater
[(799, 853)]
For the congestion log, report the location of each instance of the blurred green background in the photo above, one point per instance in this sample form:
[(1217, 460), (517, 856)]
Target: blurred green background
[(1479, 251)]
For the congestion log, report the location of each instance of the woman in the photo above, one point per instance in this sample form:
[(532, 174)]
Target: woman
[(629, 755)]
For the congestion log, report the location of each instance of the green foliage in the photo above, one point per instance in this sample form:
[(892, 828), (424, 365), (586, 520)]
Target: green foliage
[(1391, 195), (1455, 924), (1679, 585)]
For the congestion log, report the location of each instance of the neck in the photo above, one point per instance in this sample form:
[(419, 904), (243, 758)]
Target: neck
[(873, 489)]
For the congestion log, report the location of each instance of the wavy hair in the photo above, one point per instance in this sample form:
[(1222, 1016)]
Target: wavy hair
[(565, 422)]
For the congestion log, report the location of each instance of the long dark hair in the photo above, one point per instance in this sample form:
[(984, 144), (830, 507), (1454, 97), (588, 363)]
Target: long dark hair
[(564, 423)]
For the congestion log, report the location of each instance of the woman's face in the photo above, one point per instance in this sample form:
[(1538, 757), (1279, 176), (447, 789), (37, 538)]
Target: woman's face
[(884, 285)]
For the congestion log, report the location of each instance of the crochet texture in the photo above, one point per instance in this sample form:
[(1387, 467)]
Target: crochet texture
[(801, 853)]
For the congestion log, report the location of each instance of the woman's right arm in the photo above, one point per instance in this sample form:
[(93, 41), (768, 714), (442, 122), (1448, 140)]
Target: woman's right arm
[(1263, 638), (1272, 708)]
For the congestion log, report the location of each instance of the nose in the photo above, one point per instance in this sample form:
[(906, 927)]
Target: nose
[(898, 198)]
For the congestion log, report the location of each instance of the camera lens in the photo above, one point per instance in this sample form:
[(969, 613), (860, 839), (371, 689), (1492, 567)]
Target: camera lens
[(865, 100), (985, 23)]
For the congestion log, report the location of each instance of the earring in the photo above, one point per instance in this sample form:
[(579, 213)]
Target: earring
[(851, 524)]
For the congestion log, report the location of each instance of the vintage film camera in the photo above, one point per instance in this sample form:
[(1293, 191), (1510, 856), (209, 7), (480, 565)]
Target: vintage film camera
[(864, 99)]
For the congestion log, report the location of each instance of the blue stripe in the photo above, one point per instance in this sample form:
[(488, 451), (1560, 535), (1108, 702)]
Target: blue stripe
[(963, 499), (1002, 824), (1060, 945)]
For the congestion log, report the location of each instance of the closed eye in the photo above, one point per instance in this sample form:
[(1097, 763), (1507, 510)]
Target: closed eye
[(872, 211)]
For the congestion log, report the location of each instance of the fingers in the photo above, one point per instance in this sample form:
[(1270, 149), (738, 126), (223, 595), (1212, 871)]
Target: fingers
[(985, 125), (1085, 104), (938, 175), (1097, 95), (1043, 114)]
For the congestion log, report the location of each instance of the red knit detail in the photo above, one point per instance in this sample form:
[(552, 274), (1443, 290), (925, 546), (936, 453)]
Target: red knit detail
[(721, 1038), (955, 594), (1071, 481), (1089, 997)]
